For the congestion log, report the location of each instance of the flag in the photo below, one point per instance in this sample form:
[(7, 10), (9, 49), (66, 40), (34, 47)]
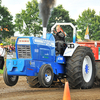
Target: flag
[(24, 25), (87, 33)]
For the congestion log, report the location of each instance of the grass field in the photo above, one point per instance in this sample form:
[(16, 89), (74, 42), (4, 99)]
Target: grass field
[(1, 71)]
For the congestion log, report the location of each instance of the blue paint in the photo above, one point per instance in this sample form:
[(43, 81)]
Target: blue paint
[(86, 68), (42, 52), (31, 67), (74, 38), (46, 75), (60, 59)]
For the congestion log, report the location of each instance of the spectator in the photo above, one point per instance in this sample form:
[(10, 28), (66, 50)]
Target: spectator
[(2, 55), (13, 48)]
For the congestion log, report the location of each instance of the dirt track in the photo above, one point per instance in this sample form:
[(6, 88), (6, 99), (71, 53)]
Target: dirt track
[(23, 92)]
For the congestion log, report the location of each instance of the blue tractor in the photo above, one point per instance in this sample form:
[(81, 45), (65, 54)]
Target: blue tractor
[(37, 59)]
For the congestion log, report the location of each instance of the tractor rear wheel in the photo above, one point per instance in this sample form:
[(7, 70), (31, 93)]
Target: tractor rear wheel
[(9, 80), (33, 81), (81, 69)]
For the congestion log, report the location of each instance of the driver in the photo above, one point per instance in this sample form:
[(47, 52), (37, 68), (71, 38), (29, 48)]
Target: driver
[(60, 39)]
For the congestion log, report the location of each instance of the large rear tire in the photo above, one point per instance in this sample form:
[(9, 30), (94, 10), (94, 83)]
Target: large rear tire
[(33, 81), (9, 80), (80, 68), (98, 70)]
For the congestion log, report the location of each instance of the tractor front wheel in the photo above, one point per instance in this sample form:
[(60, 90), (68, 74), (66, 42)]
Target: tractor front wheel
[(45, 75), (9, 80)]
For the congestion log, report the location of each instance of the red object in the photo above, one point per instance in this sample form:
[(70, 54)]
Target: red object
[(30, 69), (66, 95), (94, 47), (63, 31), (23, 40)]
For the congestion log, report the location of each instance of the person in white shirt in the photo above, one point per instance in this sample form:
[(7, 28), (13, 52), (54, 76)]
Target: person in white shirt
[(2, 55)]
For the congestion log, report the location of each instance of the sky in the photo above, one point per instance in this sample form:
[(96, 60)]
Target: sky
[(75, 7)]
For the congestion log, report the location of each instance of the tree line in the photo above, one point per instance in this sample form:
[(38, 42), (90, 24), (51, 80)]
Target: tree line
[(34, 23), (6, 22)]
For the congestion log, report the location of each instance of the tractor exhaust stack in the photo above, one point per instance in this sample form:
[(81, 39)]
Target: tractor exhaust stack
[(44, 32)]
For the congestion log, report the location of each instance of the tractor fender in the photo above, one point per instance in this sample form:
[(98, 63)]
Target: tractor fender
[(71, 47)]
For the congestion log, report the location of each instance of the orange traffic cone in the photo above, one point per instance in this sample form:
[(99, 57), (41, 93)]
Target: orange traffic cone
[(66, 95)]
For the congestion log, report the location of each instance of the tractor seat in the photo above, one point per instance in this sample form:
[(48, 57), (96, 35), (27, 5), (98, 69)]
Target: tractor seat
[(60, 47)]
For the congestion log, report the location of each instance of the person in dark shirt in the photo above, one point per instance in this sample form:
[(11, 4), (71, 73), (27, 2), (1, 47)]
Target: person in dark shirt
[(59, 34), (60, 39)]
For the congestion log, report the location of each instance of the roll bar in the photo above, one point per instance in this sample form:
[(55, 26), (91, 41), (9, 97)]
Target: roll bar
[(74, 29)]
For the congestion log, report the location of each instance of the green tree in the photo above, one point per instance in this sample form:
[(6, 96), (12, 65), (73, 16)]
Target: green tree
[(6, 24), (0, 2), (60, 15), (31, 18), (89, 18)]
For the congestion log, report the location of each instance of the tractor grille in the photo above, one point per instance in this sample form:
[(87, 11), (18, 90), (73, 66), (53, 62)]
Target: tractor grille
[(24, 51)]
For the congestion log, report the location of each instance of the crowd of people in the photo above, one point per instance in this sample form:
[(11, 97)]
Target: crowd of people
[(4, 49), (9, 48)]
